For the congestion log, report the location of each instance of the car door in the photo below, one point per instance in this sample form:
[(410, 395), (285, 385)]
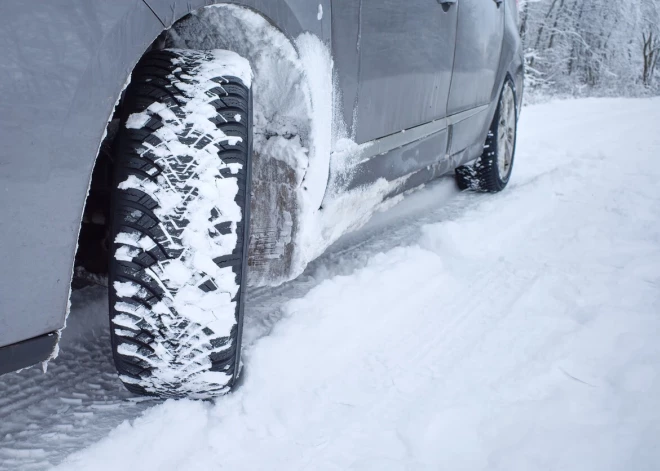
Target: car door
[(479, 36), (478, 45), (406, 53)]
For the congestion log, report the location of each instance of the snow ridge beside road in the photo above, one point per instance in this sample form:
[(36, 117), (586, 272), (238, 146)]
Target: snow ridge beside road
[(514, 331)]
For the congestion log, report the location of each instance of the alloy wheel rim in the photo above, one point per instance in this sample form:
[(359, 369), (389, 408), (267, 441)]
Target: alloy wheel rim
[(506, 132)]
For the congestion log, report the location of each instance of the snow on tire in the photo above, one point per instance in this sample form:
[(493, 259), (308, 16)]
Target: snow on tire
[(492, 170), (180, 221)]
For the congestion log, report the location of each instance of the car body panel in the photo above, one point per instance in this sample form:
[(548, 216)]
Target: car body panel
[(346, 56), (400, 157), (64, 64), (477, 54), (462, 134), (67, 61), (405, 65), (475, 68)]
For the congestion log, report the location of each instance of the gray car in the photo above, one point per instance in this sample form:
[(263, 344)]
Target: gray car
[(181, 152)]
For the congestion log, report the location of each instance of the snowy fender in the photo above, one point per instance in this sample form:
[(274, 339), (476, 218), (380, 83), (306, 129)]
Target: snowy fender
[(180, 220), (492, 171)]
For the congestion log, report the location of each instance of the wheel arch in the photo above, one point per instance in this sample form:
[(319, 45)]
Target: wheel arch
[(268, 172), (68, 64), (100, 59)]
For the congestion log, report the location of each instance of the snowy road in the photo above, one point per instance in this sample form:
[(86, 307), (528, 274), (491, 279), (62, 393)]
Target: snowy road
[(516, 331)]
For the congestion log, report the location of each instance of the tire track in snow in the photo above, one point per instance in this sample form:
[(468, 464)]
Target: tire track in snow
[(44, 417)]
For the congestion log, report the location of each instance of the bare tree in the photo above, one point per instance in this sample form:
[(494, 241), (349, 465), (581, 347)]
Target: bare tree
[(650, 52), (650, 39), (580, 45)]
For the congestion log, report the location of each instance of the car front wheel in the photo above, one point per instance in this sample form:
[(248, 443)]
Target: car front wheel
[(179, 223)]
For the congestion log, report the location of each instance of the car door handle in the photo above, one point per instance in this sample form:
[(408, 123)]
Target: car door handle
[(446, 4), (498, 2)]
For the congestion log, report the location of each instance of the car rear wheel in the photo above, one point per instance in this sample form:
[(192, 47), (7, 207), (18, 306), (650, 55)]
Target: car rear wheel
[(492, 171), (179, 223)]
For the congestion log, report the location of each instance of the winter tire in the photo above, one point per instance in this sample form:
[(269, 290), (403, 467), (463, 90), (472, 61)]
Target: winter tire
[(492, 171), (179, 223)]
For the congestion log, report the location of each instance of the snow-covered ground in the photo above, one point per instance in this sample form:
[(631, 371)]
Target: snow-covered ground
[(516, 331)]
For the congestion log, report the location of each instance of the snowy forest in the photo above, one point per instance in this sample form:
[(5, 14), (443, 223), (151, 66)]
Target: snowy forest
[(591, 47)]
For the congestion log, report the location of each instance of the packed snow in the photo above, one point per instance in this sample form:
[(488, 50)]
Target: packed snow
[(458, 331)]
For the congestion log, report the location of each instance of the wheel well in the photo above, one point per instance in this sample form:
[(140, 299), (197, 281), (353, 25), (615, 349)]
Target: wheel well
[(91, 260)]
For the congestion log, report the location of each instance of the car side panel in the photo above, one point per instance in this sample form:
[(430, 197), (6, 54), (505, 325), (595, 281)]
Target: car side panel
[(478, 46), (512, 61), (406, 56), (64, 64), (466, 129)]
